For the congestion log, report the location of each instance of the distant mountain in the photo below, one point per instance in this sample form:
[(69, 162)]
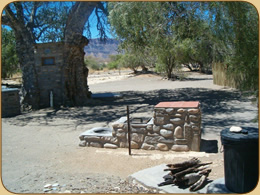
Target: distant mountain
[(100, 49)]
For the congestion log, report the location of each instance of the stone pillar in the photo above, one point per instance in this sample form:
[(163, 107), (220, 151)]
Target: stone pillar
[(180, 122)]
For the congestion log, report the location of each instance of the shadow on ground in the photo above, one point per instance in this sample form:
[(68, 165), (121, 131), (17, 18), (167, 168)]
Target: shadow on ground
[(209, 146), (212, 102)]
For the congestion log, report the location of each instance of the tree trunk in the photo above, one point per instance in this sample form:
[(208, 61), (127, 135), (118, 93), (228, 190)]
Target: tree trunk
[(170, 65), (201, 67), (25, 52), (76, 72), (144, 69)]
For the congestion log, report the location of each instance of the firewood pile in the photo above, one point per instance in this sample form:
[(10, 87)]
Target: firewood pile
[(191, 173)]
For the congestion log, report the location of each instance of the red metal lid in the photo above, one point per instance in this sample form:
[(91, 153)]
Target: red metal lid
[(178, 105)]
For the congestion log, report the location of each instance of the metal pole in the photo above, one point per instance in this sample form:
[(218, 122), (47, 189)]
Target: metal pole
[(129, 131)]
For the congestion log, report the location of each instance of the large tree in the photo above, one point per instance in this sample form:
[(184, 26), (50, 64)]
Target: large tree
[(75, 70), (30, 21), (192, 32), (236, 25), (162, 27)]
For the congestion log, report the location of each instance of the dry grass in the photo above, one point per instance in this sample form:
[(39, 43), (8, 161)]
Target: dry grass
[(223, 78)]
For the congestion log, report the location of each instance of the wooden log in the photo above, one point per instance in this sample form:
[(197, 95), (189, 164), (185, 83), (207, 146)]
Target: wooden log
[(191, 173), (195, 168), (198, 184), (188, 163), (191, 178)]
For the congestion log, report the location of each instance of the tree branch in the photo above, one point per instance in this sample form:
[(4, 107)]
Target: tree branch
[(77, 18), (10, 15), (19, 10), (5, 20), (102, 8), (34, 10), (40, 33)]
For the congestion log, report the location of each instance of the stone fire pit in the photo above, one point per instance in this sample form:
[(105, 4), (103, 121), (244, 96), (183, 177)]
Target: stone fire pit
[(174, 126)]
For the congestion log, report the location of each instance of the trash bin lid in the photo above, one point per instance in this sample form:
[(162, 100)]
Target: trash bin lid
[(232, 138)]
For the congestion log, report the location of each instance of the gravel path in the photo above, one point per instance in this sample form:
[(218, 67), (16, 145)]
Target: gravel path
[(40, 151)]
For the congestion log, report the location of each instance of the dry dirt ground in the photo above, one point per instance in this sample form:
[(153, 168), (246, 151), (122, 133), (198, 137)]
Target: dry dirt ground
[(41, 147)]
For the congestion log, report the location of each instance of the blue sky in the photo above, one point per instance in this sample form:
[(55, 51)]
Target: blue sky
[(93, 28)]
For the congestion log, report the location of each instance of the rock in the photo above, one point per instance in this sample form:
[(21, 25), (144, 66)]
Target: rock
[(67, 191), (46, 190), (137, 137), (195, 145), (181, 110), (113, 133), (168, 126), (152, 139), (180, 148), (166, 133), (159, 121), (55, 185), (235, 129), (83, 143), (188, 134), (195, 128), (169, 110), (194, 118), (193, 111), (134, 145), (138, 130), (123, 145), (121, 135), (180, 141), (162, 147), (177, 121), (95, 144), (47, 186), (81, 137), (110, 139), (146, 146), (149, 127), (177, 115), (159, 111), (118, 125), (166, 141), (111, 146), (156, 128), (120, 130), (178, 133), (94, 138), (138, 125)]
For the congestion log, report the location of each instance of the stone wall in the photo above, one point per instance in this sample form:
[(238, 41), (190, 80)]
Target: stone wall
[(174, 126), (10, 102), (179, 123), (50, 75)]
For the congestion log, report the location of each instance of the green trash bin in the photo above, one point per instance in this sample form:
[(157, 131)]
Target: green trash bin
[(240, 159)]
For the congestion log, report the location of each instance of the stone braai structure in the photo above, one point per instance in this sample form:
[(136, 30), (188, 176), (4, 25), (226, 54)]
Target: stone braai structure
[(10, 102), (174, 126)]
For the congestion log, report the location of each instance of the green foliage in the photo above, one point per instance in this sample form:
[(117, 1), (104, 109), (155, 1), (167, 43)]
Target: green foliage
[(52, 18), (130, 61), (9, 58), (173, 32), (238, 31), (92, 63), (115, 61)]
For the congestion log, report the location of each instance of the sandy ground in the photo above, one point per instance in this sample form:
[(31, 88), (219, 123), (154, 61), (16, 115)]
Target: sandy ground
[(41, 147)]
